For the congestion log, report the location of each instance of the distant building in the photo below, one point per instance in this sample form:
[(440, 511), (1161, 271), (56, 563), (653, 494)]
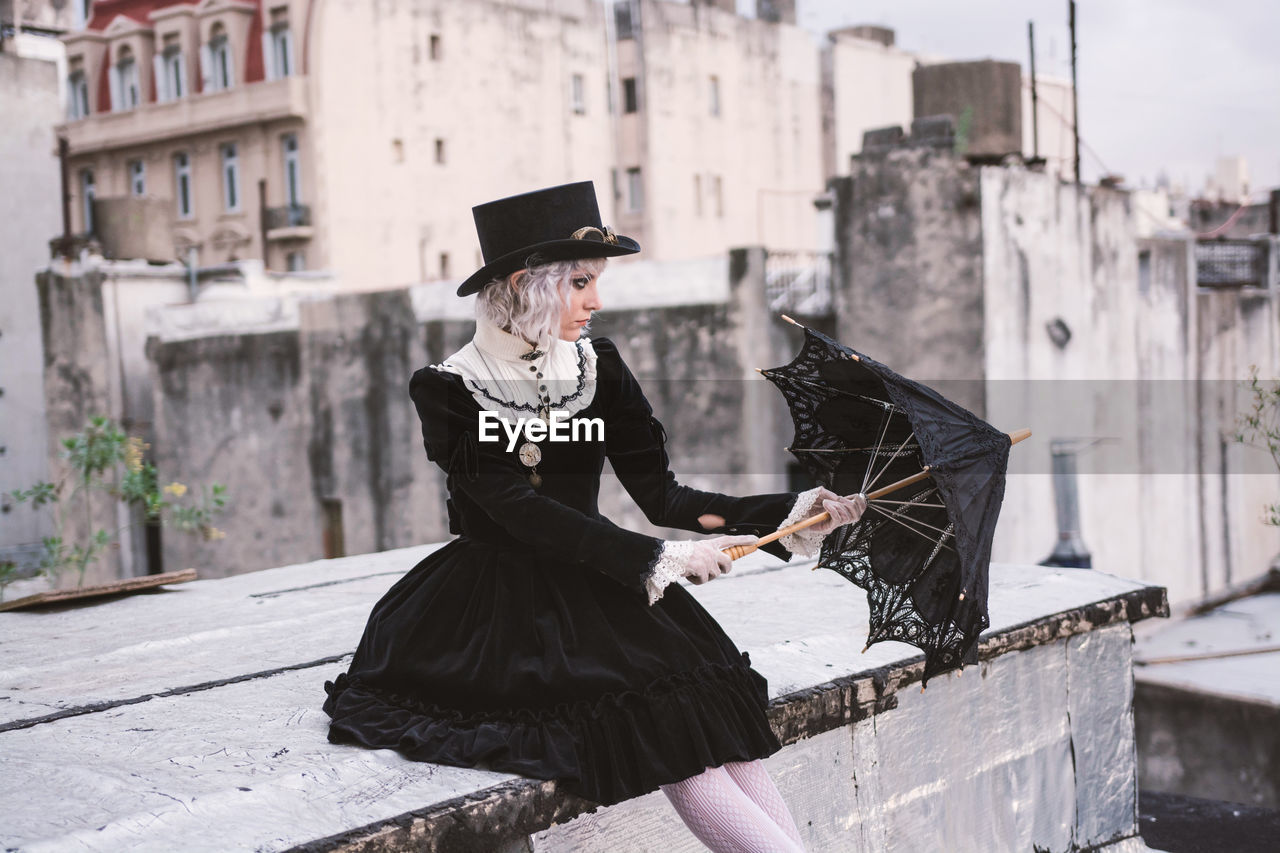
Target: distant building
[(352, 137), (1229, 181), (31, 63)]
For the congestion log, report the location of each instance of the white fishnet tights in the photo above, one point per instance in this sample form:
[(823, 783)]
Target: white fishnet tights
[(736, 809)]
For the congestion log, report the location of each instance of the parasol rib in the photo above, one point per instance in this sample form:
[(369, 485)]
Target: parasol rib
[(738, 551), (903, 519), (886, 465), (884, 429)]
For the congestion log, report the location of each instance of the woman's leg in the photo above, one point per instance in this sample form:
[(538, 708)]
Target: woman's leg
[(753, 779), (724, 818)]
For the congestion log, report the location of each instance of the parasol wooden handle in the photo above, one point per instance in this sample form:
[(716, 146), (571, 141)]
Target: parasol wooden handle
[(738, 551)]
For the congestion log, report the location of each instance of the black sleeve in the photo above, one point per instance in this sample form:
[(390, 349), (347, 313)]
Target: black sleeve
[(494, 481), (636, 446)]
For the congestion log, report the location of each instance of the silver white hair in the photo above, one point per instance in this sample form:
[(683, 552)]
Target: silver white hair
[(531, 307)]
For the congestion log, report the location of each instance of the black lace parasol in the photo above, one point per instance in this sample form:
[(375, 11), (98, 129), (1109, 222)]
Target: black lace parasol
[(934, 476)]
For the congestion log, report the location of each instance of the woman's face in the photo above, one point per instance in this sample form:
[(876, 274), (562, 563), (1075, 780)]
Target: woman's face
[(584, 297)]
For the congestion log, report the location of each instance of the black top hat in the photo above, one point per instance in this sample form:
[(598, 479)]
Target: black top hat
[(556, 224)]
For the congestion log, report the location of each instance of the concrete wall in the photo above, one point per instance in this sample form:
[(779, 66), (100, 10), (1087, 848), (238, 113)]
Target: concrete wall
[(1061, 780), (305, 406), (77, 385), (953, 275), (868, 85), (1152, 369), (909, 256), (311, 430), (29, 100)]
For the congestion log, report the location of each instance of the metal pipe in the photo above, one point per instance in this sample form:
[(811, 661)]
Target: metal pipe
[(1035, 100), (262, 219), (1075, 102), (1070, 550), (64, 158)]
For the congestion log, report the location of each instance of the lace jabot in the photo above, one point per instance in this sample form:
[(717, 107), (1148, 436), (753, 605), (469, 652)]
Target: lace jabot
[(508, 375)]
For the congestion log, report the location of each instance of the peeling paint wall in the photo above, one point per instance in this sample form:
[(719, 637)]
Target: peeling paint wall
[(1033, 751), (909, 252), (305, 427), (29, 101), (1152, 369), (311, 415)]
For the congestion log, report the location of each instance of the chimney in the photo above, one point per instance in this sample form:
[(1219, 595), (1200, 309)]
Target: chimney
[(1070, 551), (776, 11)]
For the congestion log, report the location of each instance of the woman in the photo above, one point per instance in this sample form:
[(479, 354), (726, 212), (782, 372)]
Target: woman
[(545, 640)]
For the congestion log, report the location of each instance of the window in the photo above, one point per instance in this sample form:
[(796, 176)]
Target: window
[(635, 191), (292, 170), (697, 195), (182, 184), (137, 178), (230, 177), (215, 61), (439, 150), (86, 198), (718, 194), (277, 45), (125, 92), (433, 48), (444, 264), (577, 94), (295, 261), (171, 71), (622, 22), (81, 11), (77, 92), (714, 94), (608, 95), (630, 103)]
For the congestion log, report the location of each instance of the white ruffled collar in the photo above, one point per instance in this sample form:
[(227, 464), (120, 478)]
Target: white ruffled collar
[(560, 376)]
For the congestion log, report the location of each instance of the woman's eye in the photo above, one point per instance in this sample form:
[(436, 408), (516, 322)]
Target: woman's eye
[(581, 282)]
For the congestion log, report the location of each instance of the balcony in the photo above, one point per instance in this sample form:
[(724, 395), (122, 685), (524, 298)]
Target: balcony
[(290, 222), (1231, 263), (193, 115)]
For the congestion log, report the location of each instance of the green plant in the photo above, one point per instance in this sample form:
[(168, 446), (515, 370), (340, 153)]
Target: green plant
[(102, 458), (1259, 426)]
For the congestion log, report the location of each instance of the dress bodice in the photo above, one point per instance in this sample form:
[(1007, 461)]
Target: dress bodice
[(492, 500)]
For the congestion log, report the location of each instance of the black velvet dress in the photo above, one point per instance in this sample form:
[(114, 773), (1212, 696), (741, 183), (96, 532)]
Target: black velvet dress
[(528, 645)]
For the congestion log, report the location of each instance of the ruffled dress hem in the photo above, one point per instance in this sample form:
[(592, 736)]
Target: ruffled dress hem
[(619, 746)]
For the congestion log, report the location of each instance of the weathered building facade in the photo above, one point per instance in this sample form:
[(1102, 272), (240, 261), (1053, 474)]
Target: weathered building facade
[(30, 89), (352, 137), (1037, 303)]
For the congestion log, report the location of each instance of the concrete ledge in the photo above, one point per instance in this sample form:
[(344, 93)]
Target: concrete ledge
[(155, 721)]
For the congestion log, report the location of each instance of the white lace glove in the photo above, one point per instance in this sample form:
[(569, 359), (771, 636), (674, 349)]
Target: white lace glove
[(698, 560), (807, 542)]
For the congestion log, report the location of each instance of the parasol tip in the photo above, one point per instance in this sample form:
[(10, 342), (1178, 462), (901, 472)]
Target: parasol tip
[(789, 320), (1019, 435), (921, 688)]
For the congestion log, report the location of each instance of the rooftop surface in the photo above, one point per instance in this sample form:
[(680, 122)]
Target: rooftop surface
[(1232, 651), (145, 722)]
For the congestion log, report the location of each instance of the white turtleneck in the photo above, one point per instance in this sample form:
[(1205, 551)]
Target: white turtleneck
[(560, 375)]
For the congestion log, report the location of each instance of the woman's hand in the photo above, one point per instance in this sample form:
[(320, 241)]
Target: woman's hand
[(841, 509), (707, 559)]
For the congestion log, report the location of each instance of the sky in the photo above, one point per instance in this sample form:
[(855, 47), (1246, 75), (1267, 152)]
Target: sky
[(1163, 84)]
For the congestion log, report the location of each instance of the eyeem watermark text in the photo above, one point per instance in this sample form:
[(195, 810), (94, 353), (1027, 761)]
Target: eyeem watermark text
[(559, 427)]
